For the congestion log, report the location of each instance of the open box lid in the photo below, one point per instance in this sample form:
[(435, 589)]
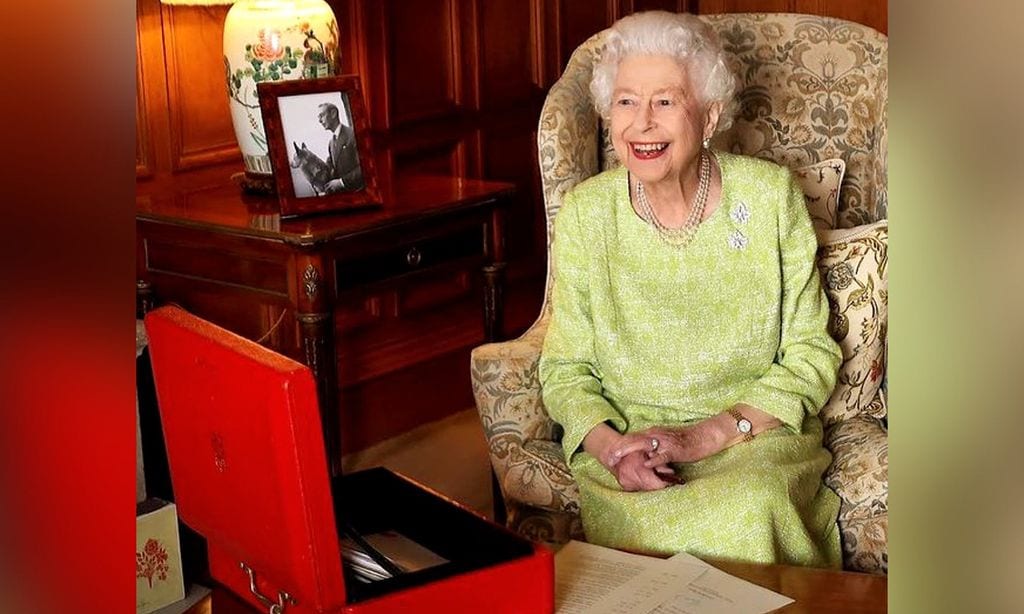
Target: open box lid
[(246, 454)]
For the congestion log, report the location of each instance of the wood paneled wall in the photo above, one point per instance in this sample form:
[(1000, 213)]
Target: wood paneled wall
[(452, 86), (186, 122)]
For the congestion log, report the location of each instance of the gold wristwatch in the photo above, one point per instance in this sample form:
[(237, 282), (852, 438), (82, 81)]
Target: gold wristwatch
[(743, 426)]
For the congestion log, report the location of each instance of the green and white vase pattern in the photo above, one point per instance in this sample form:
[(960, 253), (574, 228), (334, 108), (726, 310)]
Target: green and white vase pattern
[(273, 40)]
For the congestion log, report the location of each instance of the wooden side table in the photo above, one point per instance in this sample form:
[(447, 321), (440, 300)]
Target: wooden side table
[(295, 285)]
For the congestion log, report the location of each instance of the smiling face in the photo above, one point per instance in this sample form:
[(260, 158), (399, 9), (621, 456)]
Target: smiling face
[(657, 120)]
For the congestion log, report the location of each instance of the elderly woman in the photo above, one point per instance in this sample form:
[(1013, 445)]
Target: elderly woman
[(687, 355)]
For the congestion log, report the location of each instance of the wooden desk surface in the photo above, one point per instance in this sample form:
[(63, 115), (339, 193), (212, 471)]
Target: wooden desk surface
[(815, 590), (216, 205)]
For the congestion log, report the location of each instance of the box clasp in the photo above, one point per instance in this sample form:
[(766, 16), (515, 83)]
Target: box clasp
[(283, 598)]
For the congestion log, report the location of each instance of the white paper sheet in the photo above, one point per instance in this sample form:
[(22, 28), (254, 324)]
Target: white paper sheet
[(716, 592), (585, 574), (652, 587), (592, 579)]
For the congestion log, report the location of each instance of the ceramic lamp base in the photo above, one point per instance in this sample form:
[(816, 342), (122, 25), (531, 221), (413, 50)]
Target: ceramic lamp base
[(272, 41)]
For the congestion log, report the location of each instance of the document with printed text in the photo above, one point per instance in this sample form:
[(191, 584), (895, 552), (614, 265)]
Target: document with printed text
[(716, 592), (593, 579)]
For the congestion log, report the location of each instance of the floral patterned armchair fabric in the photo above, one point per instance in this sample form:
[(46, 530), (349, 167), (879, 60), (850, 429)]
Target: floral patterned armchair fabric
[(811, 88)]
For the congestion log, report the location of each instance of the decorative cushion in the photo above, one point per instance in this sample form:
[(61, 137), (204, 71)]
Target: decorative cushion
[(820, 183), (853, 265)]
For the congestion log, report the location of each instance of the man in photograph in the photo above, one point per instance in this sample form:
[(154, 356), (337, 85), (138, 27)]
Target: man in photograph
[(342, 154)]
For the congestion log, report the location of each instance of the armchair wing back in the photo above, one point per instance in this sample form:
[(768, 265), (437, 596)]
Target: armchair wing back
[(810, 88)]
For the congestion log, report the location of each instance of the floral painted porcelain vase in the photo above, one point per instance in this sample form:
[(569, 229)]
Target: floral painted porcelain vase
[(273, 40)]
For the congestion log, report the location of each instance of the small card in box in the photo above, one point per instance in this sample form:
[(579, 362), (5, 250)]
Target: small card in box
[(158, 577), (250, 474)]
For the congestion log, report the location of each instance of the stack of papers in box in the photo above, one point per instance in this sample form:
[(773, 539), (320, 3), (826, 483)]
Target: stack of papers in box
[(597, 580), (401, 554)]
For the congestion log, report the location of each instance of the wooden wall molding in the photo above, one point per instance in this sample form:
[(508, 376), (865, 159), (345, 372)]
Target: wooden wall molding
[(418, 46), (151, 90), (538, 67), (509, 52), (143, 143), (625, 7), (443, 157), (578, 21), (201, 130)]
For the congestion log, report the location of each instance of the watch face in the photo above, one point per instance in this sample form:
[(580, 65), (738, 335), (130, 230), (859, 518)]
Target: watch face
[(744, 426)]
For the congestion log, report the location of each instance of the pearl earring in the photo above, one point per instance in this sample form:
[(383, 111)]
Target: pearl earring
[(706, 143)]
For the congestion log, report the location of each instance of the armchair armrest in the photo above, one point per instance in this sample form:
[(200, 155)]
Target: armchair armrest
[(538, 476), (507, 390), (859, 474), (521, 437)]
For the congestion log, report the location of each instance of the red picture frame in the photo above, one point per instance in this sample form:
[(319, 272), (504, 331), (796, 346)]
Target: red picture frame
[(318, 139)]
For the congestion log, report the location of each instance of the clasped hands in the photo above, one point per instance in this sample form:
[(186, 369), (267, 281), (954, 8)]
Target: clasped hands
[(641, 460)]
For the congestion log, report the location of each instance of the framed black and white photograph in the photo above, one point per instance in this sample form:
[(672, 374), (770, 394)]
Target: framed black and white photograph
[(318, 141)]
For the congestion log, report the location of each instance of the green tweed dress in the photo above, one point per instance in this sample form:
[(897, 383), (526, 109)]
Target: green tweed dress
[(647, 334)]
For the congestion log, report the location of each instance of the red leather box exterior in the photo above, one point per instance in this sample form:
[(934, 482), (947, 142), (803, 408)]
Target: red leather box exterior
[(523, 586), (249, 471)]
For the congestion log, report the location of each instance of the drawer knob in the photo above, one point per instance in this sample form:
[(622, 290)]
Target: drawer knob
[(413, 256)]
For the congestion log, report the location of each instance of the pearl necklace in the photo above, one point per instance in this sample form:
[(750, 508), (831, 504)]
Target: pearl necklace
[(678, 237)]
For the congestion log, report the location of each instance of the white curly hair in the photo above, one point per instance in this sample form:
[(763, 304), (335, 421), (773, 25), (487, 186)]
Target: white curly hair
[(678, 35)]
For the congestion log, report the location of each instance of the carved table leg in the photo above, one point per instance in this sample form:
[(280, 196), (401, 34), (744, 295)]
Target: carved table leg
[(494, 308), (494, 301), (494, 320), (316, 327), (143, 298), (317, 331)]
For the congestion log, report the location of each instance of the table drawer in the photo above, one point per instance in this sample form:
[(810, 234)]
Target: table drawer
[(409, 257)]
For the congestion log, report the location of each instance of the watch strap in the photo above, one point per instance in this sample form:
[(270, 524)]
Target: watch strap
[(747, 435)]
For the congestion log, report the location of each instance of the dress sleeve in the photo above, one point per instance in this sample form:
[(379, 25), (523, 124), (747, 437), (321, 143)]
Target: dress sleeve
[(803, 375), (568, 372)]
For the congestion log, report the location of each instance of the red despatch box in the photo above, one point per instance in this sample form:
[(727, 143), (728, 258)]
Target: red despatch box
[(249, 473)]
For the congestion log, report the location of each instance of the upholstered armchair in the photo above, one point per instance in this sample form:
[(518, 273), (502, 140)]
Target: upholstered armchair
[(811, 89)]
